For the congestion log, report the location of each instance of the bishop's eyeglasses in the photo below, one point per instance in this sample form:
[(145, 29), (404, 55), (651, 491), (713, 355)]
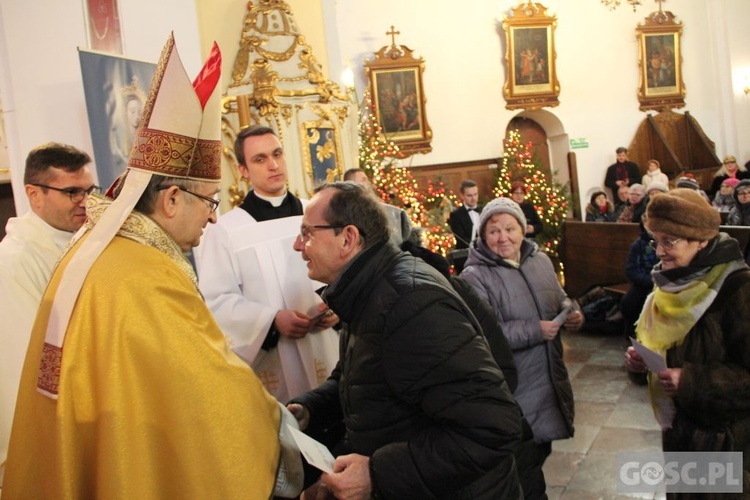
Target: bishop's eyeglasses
[(213, 203), (76, 194)]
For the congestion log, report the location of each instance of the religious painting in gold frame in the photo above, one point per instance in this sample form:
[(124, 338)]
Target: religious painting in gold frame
[(531, 76), (322, 153), (661, 86), (398, 100)]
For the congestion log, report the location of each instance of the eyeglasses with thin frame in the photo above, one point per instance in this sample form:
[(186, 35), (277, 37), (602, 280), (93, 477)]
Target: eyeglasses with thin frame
[(213, 202), (76, 194), (744, 192), (306, 231), (666, 244)]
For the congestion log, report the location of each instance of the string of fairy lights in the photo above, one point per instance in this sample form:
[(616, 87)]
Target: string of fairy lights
[(428, 208), (545, 194)]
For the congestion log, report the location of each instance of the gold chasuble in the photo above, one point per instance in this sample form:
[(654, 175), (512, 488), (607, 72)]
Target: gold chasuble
[(151, 401)]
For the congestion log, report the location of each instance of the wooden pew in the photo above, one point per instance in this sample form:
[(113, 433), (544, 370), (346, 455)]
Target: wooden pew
[(595, 253)]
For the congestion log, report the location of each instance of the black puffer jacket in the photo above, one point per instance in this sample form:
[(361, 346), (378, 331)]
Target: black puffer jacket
[(420, 392)]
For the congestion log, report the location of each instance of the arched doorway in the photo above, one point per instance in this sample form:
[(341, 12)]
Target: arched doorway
[(531, 132), (549, 137)]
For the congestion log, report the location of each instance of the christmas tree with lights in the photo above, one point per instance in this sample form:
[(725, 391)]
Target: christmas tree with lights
[(379, 158), (547, 195)]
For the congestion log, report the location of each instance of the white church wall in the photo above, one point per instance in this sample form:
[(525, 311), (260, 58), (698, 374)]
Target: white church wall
[(597, 64), (40, 80)]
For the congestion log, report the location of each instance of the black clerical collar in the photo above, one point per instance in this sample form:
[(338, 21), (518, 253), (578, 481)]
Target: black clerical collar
[(262, 210)]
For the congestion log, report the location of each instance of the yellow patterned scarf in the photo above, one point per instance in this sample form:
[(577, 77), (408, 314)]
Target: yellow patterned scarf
[(667, 317)]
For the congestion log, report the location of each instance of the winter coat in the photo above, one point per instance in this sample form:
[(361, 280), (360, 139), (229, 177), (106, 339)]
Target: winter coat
[(593, 214), (521, 297), (724, 203), (739, 215), (713, 397), (655, 176), (641, 261), (419, 390)]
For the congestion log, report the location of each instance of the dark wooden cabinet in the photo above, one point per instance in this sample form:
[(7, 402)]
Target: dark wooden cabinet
[(7, 206)]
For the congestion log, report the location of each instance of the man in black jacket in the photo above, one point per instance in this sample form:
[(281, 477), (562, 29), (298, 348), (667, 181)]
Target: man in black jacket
[(464, 222), (426, 409), (622, 173)]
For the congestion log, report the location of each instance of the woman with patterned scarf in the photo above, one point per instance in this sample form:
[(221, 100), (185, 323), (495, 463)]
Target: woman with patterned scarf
[(698, 318)]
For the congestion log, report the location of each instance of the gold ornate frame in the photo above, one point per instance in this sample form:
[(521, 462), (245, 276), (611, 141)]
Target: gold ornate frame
[(398, 100), (322, 152), (531, 76), (661, 87)]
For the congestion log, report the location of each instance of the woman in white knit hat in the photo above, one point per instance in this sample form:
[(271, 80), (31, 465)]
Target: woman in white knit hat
[(519, 282)]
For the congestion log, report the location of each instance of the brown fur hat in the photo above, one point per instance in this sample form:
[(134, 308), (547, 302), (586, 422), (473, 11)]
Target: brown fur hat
[(683, 213)]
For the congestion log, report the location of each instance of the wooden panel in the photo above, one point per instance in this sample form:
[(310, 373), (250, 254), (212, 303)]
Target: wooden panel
[(451, 174), (596, 253), (7, 206)]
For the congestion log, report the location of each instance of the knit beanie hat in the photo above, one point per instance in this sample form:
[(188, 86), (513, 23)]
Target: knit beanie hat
[(659, 186), (688, 182), (684, 213), (731, 181), (501, 206)]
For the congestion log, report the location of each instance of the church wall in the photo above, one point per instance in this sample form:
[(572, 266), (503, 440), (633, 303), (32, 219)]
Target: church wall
[(463, 46), (40, 76), (597, 64)]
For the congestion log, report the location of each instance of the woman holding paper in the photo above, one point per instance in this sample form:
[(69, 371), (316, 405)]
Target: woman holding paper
[(698, 318), (520, 284)]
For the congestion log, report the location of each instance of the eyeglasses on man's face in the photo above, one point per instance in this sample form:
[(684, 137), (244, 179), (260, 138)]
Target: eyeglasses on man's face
[(305, 231), (665, 244), (743, 193), (76, 194), (213, 203)]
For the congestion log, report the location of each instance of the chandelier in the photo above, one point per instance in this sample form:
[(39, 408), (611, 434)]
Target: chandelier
[(613, 4)]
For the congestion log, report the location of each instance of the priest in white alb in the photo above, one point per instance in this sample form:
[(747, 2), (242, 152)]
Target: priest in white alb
[(256, 284)]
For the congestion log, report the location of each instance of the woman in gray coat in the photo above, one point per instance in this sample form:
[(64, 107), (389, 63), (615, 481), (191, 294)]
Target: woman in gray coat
[(520, 284)]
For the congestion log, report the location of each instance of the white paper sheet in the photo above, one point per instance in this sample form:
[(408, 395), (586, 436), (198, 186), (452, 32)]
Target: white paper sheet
[(560, 318), (314, 452), (654, 361)]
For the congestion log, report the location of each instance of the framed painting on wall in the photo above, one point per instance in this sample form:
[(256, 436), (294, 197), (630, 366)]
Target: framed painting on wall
[(398, 100), (660, 62), (531, 77), (103, 25)]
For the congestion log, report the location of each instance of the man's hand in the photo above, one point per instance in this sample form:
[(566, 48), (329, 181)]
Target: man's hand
[(350, 479), (292, 324), (325, 318), (549, 329), (301, 414), (317, 491)]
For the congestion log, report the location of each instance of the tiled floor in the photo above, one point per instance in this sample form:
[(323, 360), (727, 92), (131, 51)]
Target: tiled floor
[(612, 415)]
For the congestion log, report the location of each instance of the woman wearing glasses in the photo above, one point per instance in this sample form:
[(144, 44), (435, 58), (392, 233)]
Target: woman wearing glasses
[(698, 318), (739, 214)]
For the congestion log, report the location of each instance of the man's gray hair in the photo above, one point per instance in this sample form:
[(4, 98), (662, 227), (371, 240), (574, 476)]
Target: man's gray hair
[(352, 205), (147, 202)]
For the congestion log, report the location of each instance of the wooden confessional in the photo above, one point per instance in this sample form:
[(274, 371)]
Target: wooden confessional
[(678, 142)]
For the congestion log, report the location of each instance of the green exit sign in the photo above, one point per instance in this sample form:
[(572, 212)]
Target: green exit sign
[(579, 143)]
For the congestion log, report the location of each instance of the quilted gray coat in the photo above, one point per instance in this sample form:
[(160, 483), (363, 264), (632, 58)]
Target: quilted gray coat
[(521, 297)]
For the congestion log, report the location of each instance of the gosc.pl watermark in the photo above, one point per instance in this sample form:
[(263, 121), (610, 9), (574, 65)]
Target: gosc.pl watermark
[(679, 472)]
